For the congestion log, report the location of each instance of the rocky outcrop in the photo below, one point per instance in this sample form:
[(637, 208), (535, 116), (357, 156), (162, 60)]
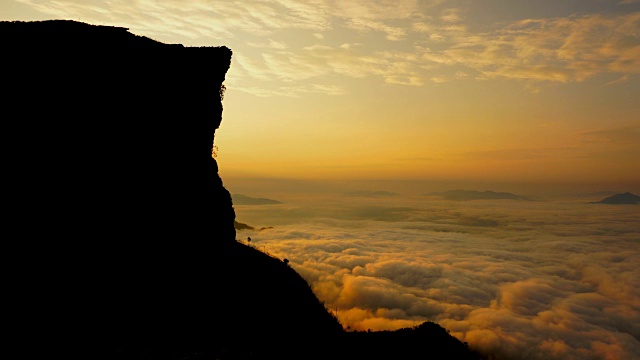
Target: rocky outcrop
[(115, 205), (121, 234), (108, 127)]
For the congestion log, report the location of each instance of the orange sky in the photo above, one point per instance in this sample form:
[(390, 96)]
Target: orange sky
[(410, 90)]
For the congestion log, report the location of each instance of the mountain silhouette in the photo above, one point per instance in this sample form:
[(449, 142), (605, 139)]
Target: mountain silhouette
[(240, 199), (476, 195), (242, 226), (620, 199), (122, 237), (365, 193)]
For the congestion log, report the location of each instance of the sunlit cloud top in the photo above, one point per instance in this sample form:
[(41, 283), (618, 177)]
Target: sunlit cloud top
[(516, 279)]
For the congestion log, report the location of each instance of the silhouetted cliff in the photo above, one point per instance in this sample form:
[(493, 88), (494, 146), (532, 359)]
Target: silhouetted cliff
[(117, 205), (121, 231)]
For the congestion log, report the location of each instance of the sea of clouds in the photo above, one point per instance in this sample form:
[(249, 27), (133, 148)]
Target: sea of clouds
[(553, 279)]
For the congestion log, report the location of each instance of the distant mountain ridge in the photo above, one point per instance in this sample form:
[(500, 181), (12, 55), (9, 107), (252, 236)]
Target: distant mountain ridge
[(241, 199), (620, 199), (477, 195), (242, 226), (367, 193)]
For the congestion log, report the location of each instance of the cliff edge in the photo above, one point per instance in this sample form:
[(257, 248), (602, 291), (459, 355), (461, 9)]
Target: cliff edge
[(120, 233), (123, 231)]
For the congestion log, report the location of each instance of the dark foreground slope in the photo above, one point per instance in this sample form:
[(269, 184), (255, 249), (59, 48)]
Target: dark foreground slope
[(120, 231)]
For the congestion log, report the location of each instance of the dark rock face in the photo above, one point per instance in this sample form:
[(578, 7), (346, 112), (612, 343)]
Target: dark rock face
[(120, 232), (104, 125), (116, 204)]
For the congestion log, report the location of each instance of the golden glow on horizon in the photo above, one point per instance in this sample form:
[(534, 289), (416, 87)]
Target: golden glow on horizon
[(434, 89)]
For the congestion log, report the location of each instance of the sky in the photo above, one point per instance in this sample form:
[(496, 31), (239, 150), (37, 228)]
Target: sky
[(485, 94)]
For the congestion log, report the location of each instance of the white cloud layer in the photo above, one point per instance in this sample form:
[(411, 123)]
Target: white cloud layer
[(518, 279)]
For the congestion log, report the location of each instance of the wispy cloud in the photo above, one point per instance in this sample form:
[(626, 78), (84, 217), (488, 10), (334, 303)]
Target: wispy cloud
[(557, 50), (366, 25), (526, 154), (451, 16), (620, 80), (615, 136), (425, 39)]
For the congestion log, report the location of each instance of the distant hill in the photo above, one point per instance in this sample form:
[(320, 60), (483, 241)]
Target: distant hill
[(366, 193), (620, 199), (242, 226), (240, 199), (477, 195)]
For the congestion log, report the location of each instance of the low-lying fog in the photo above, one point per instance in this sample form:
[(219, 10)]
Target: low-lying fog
[(549, 279)]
